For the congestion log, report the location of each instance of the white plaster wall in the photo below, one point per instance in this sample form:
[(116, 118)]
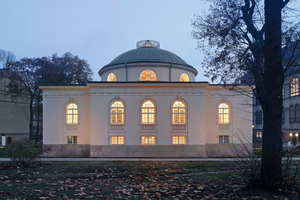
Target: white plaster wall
[(162, 71), (54, 116), (94, 107), (132, 97), (119, 72), (240, 116), (176, 73)]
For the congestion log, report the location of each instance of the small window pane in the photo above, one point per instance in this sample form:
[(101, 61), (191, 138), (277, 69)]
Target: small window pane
[(184, 78), (72, 114), (148, 140), (148, 116), (148, 75), (223, 113), (111, 77), (114, 140)]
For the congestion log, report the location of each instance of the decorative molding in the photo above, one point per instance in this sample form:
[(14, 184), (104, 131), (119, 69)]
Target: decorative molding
[(71, 99)]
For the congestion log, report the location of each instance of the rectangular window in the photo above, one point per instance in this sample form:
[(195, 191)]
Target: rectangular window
[(259, 134), (117, 140), (148, 140), (223, 139), (178, 139), (72, 139)]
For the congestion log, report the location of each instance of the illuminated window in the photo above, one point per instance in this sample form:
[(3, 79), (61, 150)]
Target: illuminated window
[(117, 140), (178, 139), (184, 78), (72, 139), (223, 139), (72, 114), (291, 114), (117, 112), (297, 113), (178, 112), (148, 113), (223, 113), (283, 91), (259, 134), (148, 75), (111, 77), (294, 87), (148, 140)]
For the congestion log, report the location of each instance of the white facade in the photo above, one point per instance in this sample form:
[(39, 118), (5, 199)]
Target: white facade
[(110, 119)]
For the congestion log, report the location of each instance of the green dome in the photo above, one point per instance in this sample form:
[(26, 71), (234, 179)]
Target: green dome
[(147, 54)]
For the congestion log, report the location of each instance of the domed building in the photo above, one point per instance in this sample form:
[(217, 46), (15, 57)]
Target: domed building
[(147, 104)]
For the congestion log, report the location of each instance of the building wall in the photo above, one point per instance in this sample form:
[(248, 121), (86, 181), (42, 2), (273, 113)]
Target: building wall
[(161, 70), (14, 114), (288, 127), (94, 130)]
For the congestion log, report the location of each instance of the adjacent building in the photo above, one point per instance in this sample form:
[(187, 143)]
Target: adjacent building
[(14, 112)]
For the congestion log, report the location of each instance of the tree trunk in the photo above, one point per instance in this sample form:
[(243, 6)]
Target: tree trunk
[(38, 118), (272, 104), (31, 117)]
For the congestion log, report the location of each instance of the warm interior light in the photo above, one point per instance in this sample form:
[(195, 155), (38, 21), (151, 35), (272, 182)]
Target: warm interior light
[(296, 134), (291, 134)]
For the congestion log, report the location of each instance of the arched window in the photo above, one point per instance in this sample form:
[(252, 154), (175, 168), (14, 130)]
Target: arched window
[(117, 112), (72, 114), (111, 77), (178, 112), (148, 113), (223, 113), (291, 114), (294, 87), (148, 75), (8, 140), (297, 113), (184, 78)]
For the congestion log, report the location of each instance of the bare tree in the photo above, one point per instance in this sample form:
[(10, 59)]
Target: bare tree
[(6, 57), (245, 37), (31, 72)]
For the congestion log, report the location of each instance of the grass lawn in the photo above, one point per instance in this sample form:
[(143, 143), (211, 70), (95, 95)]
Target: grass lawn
[(126, 180)]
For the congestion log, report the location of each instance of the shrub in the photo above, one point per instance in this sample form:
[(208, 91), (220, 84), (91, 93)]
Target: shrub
[(24, 154), (248, 165)]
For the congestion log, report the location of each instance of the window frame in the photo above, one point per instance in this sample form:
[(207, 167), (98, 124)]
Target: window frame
[(120, 140), (184, 77), (148, 113), (178, 139), (291, 114), (74, 139), (111, 77), (178, 113), (147, 70), (72, 114), (221, 115), (148, 143), (294, 87), (117, 113), (222, 139)]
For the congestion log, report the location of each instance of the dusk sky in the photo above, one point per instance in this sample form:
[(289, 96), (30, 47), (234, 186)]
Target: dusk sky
[(99, 30)]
